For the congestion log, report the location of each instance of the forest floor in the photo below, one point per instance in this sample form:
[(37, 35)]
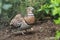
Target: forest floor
[(42, 31)]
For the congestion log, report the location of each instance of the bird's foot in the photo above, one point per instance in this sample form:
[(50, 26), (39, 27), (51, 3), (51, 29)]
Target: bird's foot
[(32, 29)]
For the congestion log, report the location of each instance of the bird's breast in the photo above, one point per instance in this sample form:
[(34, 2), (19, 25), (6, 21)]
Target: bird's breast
[(30, 19)]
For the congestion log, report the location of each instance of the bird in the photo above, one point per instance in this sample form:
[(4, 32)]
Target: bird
[(24, 23), (30, 18)]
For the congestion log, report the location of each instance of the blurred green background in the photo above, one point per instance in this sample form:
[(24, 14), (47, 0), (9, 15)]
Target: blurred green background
[(43, 9), (9, 8)]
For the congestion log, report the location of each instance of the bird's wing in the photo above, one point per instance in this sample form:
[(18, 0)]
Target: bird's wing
[(16, 21), (24, 25)]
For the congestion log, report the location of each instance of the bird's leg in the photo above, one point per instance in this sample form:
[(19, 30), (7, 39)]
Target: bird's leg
[(26, 30), (23, 33)]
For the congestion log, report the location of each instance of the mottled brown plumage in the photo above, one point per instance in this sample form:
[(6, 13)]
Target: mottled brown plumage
[(30, 18), (22, 22), (16, 21)]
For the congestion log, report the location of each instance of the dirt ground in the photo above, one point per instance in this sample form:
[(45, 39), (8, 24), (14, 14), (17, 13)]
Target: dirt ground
[(42, 31)]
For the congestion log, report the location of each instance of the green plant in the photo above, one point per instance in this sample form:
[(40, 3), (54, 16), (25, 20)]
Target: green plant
[(11, 7), (53, 8), (0, 6), (57, 36)]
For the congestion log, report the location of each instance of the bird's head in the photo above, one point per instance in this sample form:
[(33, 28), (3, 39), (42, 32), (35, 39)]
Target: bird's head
[(30, 9)]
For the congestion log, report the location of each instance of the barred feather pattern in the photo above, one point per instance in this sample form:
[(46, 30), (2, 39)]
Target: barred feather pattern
[(23, 22), (30, 18), (16, 21)]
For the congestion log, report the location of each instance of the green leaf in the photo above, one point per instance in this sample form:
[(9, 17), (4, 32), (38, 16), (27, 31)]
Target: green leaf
[(57, 36), (0, 6), (13, 1), (57, 21), (51, 5), (56, 11), (39, 10), (55, 2), (0, 11), (7, 6), (47, 11)]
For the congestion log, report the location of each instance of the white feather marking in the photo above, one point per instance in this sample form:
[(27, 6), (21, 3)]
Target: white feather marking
[(30, 14)]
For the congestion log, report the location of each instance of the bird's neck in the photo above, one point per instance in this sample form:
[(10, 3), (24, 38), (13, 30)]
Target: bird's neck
[(30, 14)]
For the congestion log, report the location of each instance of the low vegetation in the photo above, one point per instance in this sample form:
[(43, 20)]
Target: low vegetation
[(43, 9)]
